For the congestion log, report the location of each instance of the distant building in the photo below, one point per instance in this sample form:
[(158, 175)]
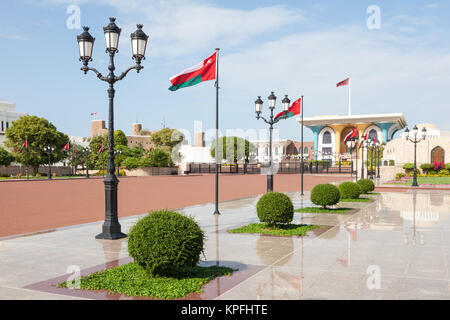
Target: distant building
[(98, 128), (282, 150), (330, 132), (8, 114), (435, 148)]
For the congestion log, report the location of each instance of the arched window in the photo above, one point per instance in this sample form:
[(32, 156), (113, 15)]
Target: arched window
[(295, 150), (276, 151), (372, 134), (437, 155), (326, 138), (266, 151), (306, 150)]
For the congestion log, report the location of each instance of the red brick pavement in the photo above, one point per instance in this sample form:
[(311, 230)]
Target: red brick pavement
[(29, 206)]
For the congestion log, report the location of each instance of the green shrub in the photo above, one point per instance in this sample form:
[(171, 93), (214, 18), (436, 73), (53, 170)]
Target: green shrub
[(349, 190), (366, 185), (444, 172), (426, 168), (103, 173), (165, 241), (325, 195), (408, 167), (447, 166), (275, 208), (391, 163)]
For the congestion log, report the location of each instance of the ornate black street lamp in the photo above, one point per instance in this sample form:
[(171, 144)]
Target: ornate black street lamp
[(111, 226), (352, 143), (363, 146), (258, 109), (49, 150), (87, 151), (415, 140)]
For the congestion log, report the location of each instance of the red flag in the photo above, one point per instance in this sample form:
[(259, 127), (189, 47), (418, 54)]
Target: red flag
[(25, 144), (351, 134), (293, 110), (101, 149), (343, 83), (66, 147)]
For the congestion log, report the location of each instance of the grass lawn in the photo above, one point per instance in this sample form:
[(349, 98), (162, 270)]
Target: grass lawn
[(281, 230), (356, 200), (424, 180), (132, 280), (322, 210)]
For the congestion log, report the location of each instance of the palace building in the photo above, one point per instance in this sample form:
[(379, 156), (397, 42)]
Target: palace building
[(330, 131), (8, 114)]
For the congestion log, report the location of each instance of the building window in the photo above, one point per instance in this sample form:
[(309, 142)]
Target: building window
[(276, 151), (3, 129), (437, 155), (326, 138), (306, 150), (266, 151), (373, 134), (295, 150), (7, 124)]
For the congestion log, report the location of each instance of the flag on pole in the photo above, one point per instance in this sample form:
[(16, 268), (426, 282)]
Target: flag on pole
[(293, 110), (25, 144), (343, 83), (101, 149), (351, 134), (94, 114), (203, 71), (66, 147)]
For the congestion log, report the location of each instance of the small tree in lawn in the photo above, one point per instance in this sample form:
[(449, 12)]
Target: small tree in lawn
[(38, 133), (5, 157)]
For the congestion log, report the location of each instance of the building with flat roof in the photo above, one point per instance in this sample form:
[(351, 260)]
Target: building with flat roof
[(330, 131), (8, 114)]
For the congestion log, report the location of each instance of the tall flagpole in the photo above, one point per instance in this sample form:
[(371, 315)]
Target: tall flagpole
[(349, 96), (217, 133), (301, 163)]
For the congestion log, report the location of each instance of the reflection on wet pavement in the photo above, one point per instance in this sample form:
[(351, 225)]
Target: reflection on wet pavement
[(397, 247)]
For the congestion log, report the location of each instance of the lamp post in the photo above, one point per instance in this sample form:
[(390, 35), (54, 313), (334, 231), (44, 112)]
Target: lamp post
[(378, 158), (111, 226), (415, 140), (118, 153), (49, 150), (363, 146), (372, 149), (87, 152), (258, 109), (352, 143)]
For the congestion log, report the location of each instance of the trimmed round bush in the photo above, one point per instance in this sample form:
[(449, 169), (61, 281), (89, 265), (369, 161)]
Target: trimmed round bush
[(349, 190), (165, 241), (275, 208), (325, 195), (366, 185)]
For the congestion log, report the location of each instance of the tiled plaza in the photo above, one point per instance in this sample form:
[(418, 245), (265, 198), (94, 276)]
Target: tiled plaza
[(397, 247)]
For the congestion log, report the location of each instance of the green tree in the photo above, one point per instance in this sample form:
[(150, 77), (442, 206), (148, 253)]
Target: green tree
[(76, 156), (39, 133), (5, 157), (120, 139), (166, 138), (233, 149)]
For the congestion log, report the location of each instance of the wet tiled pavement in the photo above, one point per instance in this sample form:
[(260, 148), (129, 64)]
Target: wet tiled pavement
[(397, 247)]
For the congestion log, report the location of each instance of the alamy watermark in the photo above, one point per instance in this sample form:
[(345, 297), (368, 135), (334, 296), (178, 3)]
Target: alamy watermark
[(373, 22), (374, 279), (74, 280), (73, 22)]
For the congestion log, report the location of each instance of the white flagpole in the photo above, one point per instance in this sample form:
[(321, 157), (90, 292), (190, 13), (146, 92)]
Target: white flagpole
[(349, 96)]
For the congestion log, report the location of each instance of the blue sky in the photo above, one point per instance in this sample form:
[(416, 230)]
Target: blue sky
[(290, 47)]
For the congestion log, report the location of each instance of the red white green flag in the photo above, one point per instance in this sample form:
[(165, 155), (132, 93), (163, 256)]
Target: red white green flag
[(25, 144), (66, 147), (294, 109), (351, 134), (343, 83), (203, 71)]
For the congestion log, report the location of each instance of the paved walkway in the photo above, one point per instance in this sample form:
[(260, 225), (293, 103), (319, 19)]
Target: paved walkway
[(29, 206), (397, 247)]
